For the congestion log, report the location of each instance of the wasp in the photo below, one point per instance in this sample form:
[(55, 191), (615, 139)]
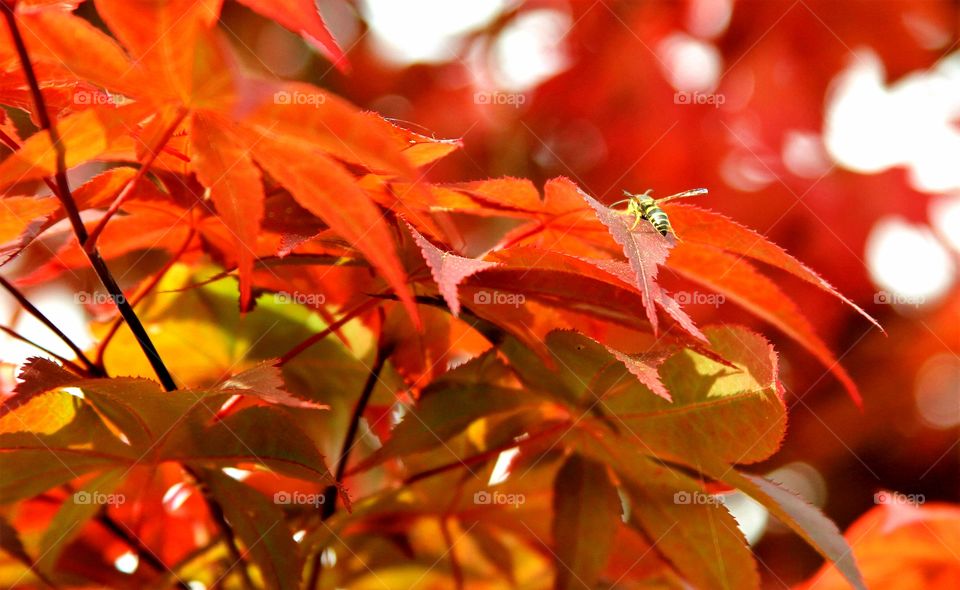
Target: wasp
[(644, 207)]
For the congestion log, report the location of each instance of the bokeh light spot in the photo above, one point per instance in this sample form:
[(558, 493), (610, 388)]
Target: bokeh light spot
[(908, 264), (530, 49), (937, 391), (425, 30), (690, 64), (870, 127)]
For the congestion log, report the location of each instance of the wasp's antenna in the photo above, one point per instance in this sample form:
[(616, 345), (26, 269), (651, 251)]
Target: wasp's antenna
[(691, 193)]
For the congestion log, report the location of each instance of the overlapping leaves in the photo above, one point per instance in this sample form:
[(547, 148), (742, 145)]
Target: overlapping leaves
[(554, 347)]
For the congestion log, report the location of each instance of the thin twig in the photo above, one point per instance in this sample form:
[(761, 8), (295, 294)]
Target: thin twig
[(216, 512), (93, 254), (70, 206), (66, 362), (372, 379), (43, 116), (330, 494), (296, 350), (483, 456), (32, 310), (132, 183), (143, 552)]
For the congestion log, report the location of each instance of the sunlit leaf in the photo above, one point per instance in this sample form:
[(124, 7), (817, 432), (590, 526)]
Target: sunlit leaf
[(226, 169)]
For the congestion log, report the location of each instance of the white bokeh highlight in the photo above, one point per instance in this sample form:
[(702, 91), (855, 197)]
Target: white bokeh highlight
[(530, 50), (425, 31), (690, 65), (908, 262), (871, 126)]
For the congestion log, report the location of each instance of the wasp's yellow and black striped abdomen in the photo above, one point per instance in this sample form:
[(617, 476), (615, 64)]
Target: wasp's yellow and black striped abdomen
[(652, 212)]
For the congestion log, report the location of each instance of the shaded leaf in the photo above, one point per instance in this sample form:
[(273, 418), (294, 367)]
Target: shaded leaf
[(10, 542), (443, 412), (691, 528), (76, 510), (805, 520), (261, 526), (327, 190), (586, 514), (63, 440), (718, 414), (254, 435)]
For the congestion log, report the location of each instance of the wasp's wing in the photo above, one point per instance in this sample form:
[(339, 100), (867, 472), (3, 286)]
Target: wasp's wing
[(691, 193)]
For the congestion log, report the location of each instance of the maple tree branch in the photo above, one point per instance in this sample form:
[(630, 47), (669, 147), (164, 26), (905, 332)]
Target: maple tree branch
[(143, 552), (91, 368), (330, 500), (100, 266), (66, 362), (129, 316), (70, 206), (485, 455), (132, 183), (11, 142), (63, 192), (330, 493)]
